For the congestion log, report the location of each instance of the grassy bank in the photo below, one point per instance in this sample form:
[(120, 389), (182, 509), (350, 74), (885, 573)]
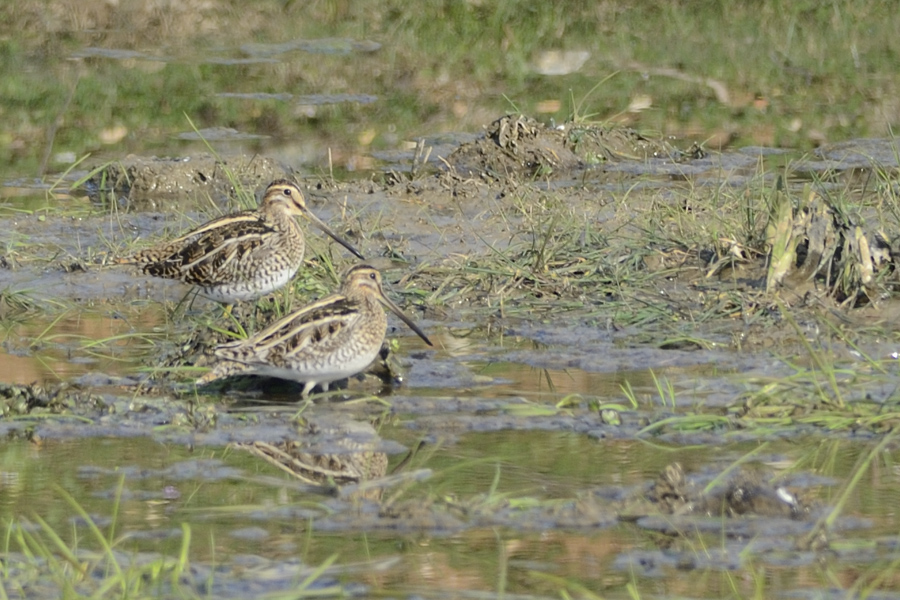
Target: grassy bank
[(97, 77)]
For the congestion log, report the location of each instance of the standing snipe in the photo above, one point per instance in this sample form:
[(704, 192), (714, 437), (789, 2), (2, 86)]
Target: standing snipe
[(242, 256), (331, 339)]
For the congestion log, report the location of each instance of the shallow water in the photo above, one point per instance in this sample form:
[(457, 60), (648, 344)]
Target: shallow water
[(506, 492), (240, 510)]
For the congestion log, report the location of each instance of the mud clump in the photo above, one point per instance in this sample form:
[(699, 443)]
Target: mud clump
[(22, 400), (817, 249), (744, 494), (518, 146), (151, 183)]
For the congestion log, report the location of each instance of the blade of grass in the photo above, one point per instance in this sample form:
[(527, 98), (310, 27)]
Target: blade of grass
[(826, 522), (95, 530), (745, 458)]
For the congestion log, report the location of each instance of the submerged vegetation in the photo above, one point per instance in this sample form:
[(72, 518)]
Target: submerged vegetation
[(39, 562)]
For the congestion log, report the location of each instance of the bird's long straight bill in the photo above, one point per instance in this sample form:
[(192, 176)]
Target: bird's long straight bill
[(409, 322), (321, 225)]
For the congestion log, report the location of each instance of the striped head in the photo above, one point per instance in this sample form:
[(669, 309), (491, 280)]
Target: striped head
[(284, 195), (362, 279), (365, 281)]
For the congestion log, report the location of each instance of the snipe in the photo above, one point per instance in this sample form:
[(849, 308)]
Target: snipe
[(242, 256), (334, 338)]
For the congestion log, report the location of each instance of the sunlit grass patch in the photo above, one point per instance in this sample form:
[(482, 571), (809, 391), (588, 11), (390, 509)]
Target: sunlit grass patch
[(95, 561)]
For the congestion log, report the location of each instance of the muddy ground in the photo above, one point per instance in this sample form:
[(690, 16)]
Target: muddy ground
[(572, 237), (582, 253)]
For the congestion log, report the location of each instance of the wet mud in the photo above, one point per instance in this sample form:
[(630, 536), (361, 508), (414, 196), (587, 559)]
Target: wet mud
[(519, 147), (160, 183), (437, 231), (553, 310)]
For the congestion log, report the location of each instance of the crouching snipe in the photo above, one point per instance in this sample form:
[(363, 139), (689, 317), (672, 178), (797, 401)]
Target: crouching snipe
[(332, 339)]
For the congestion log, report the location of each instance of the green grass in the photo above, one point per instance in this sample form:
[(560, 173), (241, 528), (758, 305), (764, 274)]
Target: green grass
[(98, 564), (36, 554)]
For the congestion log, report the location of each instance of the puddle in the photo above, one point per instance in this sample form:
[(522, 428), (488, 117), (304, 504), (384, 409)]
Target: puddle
[(219, 134), (78, 342), (337, 46), (246, 519), (305, 100)]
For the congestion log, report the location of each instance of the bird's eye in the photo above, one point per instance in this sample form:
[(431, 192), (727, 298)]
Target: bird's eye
[(372, 276), (287, 191)]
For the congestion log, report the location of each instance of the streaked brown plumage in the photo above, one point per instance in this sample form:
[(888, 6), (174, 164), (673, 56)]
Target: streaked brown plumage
[(242, 256), (332, 339)]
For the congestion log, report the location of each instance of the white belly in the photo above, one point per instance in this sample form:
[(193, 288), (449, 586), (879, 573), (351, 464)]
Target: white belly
[(249, 290), (326, 372)]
